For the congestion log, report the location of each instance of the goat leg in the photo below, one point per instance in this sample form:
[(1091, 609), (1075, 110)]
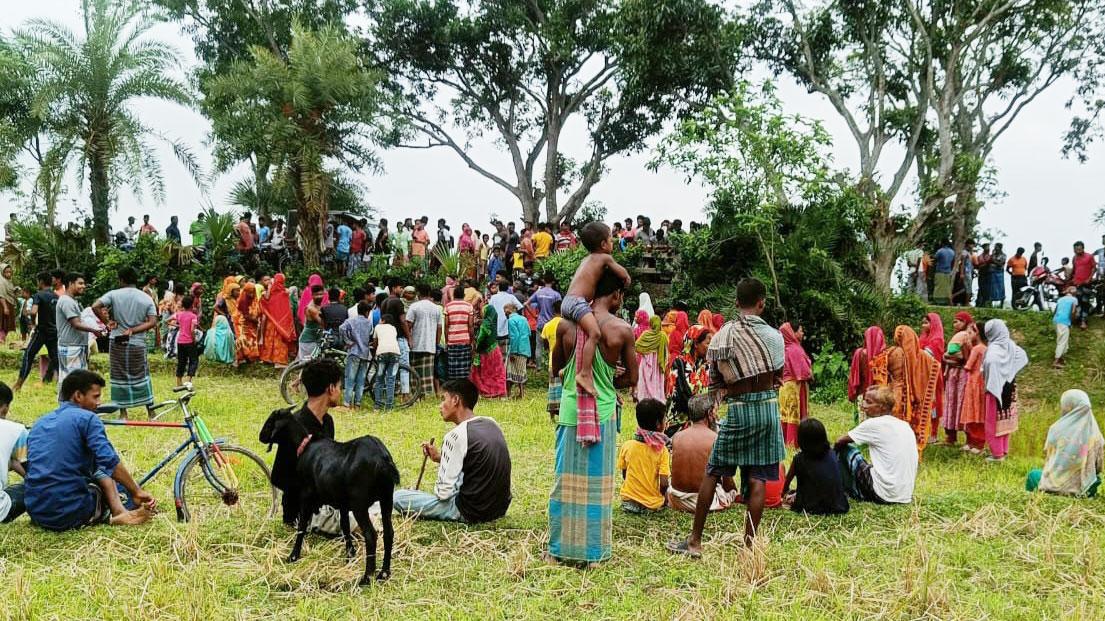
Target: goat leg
[(304, 521), (350, 549), (369, 532), (389, 536)]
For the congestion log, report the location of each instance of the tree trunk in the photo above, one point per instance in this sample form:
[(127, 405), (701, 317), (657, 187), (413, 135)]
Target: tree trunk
[(101, 197), (966, 214), (531, 208), (312, 194), (261, 188)]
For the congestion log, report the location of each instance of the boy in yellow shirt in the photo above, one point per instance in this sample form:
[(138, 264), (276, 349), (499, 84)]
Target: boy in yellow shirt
[(645, 462)]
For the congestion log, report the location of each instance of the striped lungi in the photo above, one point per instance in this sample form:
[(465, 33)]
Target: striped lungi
[(516, 369), (130, 373), (582, 501), (458, 359), (423, 364), (556, 389), (750, 433), (70, 358)]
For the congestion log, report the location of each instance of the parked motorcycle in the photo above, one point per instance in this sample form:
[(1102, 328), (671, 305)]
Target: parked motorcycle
[(1042, 291)]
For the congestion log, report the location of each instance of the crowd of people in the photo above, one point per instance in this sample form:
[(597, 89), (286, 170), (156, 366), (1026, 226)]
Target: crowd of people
[(714, 399)]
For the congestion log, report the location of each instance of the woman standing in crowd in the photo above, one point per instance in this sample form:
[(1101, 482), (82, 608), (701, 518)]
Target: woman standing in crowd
[(972, 413), (913, 376), (706, 320), (678, 333), (1074, 454), (859, 376), (652, 354), (9, 303), (277, 326), (794, 395), (955, 376), (644, 302), (488, 370), (466, 248), (247, 324), (932, 343), (640, 323), (1004, 360)]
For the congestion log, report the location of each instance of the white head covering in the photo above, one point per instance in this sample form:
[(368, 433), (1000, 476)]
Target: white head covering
[(1075, 449), (645, 304), (1004, 358)]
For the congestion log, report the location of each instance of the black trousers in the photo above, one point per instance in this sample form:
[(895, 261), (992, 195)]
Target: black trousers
[(187, 359), (37, 342)]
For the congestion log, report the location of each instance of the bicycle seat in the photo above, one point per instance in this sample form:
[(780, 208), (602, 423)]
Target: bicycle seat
[(108, 408)]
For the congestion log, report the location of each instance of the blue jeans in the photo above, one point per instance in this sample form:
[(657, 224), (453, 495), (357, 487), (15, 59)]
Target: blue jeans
[(405, 358), (355, 369), (426, 506), (384, 391)]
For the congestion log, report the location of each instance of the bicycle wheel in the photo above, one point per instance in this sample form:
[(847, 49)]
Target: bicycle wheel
[(290, 387), (401, 401), (234, 482)]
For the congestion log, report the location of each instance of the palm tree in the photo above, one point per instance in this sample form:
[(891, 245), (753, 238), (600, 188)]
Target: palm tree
[(88, 87)]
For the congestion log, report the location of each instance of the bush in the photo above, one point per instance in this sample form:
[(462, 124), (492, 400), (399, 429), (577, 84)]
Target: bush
[(830, 376)]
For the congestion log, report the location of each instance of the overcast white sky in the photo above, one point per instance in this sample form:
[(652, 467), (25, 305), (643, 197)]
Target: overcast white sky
[(1047, 198)]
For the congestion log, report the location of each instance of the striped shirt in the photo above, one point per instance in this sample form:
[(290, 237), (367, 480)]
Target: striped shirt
[(458, 319)]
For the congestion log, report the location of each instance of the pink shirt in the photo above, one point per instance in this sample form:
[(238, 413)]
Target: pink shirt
[(186, 320)]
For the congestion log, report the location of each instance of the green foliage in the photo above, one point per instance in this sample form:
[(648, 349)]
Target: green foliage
[(562, 265), (36, 248), (830, 376), (87, 87)]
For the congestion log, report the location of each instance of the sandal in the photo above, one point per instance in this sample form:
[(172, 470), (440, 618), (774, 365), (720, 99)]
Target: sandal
[(683, 548)]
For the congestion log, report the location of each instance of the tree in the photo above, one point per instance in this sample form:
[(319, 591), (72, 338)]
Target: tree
[(530, 73), (869, 59), (315, 110), (224, 31), (89, 86)]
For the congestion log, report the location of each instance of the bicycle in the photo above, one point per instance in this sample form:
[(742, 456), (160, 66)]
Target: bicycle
[(292, 390), (212, 461)]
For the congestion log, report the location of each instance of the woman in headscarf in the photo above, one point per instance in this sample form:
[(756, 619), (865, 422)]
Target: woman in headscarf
[(466, 248), (675, 338), (277, 326), (972, 411), (305, 299), (644, 302), (955, 375), (719, 320), (1004, 360), (641, 323), (794, 394), (196, 292), (689, 374), (1074, 453), (859, 376), (913, 375), (931, 342), (488, 370), (652, 349), (706, 320), (218, 345), (9, 305)]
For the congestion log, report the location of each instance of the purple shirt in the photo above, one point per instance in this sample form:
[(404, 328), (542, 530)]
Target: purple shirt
[(543, 299)]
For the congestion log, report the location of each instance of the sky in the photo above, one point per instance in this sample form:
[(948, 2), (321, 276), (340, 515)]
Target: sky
[(1044, 197)]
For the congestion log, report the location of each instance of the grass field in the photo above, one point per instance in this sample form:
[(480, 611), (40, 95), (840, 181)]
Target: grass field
[(973, 545)]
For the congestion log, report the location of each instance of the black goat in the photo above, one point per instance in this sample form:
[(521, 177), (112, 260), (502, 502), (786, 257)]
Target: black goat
[(349, 476)]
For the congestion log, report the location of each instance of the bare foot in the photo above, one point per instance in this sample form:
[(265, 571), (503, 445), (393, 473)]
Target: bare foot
[(134, 517), (585, 383)]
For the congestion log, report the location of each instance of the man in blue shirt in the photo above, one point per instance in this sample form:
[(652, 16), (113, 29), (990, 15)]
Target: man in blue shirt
[(543, 300), (263, 230), (1064, 312), (342, 246), (73, 469), (943, 263)]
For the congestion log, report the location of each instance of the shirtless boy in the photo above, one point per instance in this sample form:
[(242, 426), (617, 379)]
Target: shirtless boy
[(576, 305)]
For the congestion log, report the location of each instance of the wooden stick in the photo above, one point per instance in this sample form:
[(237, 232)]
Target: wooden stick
[(423, 470)]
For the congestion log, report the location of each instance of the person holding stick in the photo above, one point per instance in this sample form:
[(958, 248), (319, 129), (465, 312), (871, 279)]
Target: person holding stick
[(473, 476)]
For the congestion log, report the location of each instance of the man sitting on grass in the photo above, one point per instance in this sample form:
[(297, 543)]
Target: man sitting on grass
[(690, 453), (473, 479), (890, 476), (73, 469), (644, 461)]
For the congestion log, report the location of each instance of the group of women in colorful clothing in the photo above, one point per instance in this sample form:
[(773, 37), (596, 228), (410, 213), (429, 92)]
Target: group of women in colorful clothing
[(967, 385)]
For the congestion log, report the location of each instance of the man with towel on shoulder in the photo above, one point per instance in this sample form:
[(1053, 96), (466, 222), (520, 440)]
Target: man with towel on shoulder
[(745, 358)]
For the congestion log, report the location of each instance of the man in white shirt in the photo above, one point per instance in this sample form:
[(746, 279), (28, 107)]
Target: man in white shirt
[(890, 477), (473, 478), (500, 297), (13, 456), (425, 321)]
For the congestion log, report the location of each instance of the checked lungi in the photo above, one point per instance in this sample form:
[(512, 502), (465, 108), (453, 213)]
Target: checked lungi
[(556, 389), (458, 360), (423, 364), (516, 369), (750, 433), (130, 373), (70, 358), (581, 505)]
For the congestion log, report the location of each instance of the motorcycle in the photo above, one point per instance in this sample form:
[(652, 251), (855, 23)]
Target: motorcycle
[(1042, 291)]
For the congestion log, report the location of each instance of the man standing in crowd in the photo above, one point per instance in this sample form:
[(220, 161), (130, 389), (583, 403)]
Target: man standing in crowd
[(459, 321), (357, 246), (394, 306), (565, 239), (544, 299), (1037, 254), (343, 246), (43, 309), (1084, 270), (425, 319), (746, 357), (542, 241), (198, 231), (172, 232), (72, 333), (130, 231), (244, 244), (1064, 312), (499, 299), (1017, 267), (982, 263), (420, 241), (473, 478), (943, 279), (967, 267), (130, 313), (147, 228)]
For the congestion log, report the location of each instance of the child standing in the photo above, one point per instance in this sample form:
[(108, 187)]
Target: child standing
[(187, 350), (1064, 312), (385, 340), (645, 462), (357, 334), (518, 329), (817, 473)]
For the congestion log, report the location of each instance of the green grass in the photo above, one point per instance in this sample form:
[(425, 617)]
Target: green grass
[(973, 545)]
